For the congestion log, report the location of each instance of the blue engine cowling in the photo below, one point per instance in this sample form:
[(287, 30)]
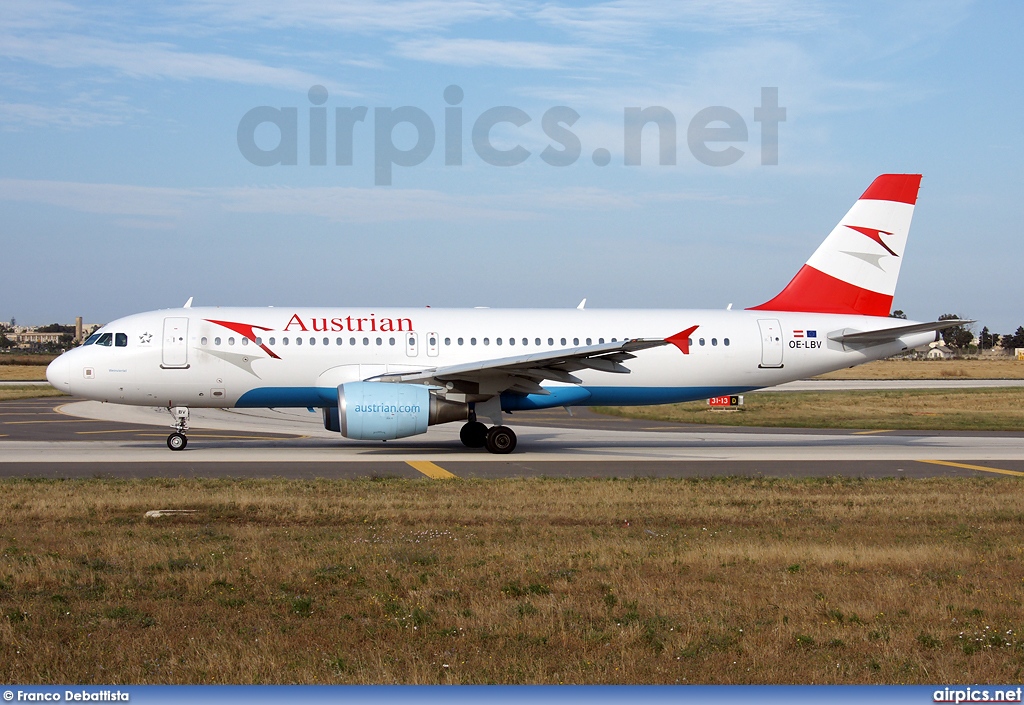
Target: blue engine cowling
[(382, 411)]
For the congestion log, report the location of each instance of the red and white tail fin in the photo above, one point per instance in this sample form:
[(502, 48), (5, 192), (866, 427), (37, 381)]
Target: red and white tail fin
[(855, 269)]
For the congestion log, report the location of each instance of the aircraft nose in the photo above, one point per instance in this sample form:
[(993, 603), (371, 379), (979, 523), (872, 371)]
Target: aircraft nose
[(58, 373)]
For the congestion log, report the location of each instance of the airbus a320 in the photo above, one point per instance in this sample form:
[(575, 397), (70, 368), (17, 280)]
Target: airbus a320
[(381, 374)]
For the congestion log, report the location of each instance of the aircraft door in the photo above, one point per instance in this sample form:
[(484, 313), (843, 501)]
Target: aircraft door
[(432, 344), (771, 342), (175, 346), (411, 344)]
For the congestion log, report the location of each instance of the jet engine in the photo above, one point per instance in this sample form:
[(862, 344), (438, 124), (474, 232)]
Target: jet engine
[(384, 411)]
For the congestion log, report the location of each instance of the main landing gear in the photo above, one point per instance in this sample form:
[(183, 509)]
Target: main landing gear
[(178, 440), (497, 439)]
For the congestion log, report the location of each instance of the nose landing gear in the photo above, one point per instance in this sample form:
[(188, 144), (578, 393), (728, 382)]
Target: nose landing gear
[(178, 440)]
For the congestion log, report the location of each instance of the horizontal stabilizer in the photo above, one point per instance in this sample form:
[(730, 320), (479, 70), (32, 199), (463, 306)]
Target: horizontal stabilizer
[(888, 335)]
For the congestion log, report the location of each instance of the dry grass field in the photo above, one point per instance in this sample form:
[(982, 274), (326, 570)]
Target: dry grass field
[(33, 391), (928, 409), (23, 373), (983, 368), (520, 581)]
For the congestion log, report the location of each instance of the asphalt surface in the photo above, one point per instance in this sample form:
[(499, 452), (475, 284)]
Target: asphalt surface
[(62, 438)]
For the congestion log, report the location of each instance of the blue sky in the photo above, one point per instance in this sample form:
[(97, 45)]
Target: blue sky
[(123, 188)]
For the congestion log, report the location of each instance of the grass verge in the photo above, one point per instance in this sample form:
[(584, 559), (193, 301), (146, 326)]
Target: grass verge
[(928, 409), (984, 368), (29, 391), (22, 373), (512, 581)]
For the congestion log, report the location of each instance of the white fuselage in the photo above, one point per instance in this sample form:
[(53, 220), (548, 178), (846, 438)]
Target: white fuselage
[(279, 357)]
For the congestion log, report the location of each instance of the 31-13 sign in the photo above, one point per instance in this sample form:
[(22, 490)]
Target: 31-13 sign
[(734, 400)]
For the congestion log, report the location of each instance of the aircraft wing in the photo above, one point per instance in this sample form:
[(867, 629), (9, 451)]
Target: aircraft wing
[(887, 335), (524, 373)]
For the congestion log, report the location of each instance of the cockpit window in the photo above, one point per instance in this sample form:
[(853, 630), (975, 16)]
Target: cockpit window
[(121, 340), (92, 339), (105, 339)]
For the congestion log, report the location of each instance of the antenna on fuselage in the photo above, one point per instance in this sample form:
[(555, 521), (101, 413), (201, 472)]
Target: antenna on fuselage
[(188, 304), (583, 304)]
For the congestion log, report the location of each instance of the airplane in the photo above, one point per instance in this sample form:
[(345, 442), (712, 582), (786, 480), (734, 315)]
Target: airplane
[(382, 374)]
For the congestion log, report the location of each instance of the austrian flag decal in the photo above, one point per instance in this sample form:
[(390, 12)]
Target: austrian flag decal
[(803, 334)]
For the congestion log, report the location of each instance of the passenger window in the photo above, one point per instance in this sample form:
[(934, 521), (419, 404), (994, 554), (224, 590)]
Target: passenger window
[(92, 339), (447, 341), (259, 341), (563, 341), (245, 341), (551, 341), (231, 341), (121, 340), (460, 341), (726, 341), (391, 341), (702, 341), (588, 341), (487, 341), (312, 340), (714, 341), (105, 340), (366, 341), (536, 342), (575, 341), (298, 341), (337, 342), (216, 341), (498, 341), (351, 341), (272, 341), (472, 341), (284, 341), (379, 341), (689, 341), (327, 341), (202, 341)]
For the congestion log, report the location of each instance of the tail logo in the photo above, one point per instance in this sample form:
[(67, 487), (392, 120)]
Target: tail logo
[(875, 235)]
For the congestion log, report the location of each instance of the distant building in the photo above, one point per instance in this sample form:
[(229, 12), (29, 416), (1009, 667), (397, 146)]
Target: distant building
[(30, 337), (940, 352)]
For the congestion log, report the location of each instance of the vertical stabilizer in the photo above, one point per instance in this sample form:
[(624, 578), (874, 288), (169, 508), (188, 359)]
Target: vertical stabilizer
[(855, 269)]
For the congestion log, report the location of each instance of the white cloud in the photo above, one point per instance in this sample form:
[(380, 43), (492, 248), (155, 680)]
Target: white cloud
[(16, 115), (148, 60), (108, 199), (494, 52), (356, 17)]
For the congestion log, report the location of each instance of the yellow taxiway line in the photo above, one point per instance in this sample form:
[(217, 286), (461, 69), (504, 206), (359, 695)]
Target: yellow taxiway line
[(973, 467), (435, 472)]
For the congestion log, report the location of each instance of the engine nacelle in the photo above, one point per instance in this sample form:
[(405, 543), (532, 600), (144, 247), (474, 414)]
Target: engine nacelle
[(384, 411)]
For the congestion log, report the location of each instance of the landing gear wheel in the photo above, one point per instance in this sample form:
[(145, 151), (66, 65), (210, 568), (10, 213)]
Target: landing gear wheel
[(501, 440), (177, 441), (473, 435)]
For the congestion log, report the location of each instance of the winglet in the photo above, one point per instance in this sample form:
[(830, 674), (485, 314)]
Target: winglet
[(682, 339)]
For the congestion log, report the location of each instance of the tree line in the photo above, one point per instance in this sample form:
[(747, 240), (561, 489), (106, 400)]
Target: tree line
[(959, 338)]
